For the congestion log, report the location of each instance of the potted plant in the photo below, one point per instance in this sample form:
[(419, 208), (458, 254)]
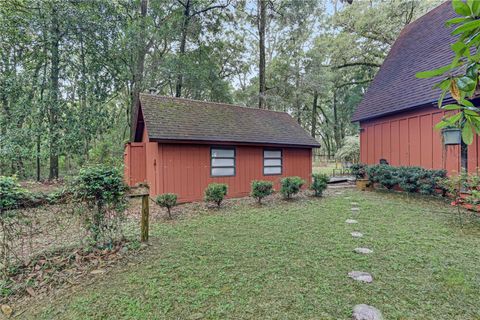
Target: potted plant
[(358, 170), (452, 135)]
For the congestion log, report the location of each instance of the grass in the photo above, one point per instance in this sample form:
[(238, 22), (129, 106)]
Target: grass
[(289, 260)]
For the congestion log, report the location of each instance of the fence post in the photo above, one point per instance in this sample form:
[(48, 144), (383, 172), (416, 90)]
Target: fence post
[(144, 221), (142, 190)]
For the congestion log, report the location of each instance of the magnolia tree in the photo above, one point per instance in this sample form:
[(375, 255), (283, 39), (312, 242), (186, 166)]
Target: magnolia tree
[(461, 75)]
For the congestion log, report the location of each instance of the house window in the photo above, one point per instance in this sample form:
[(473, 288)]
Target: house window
[(222, 162), (272, 162)]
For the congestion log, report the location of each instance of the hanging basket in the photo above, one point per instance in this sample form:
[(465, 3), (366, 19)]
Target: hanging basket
[(452, 136)]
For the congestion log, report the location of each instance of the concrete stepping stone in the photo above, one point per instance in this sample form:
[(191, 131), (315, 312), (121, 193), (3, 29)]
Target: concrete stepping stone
[(355, 209), (361, 276), (351, 221), (366, 312), (354, 204), (363, 250), (356, 234)]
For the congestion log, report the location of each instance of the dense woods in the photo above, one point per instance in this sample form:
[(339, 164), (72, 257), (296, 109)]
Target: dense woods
[(71, 71)]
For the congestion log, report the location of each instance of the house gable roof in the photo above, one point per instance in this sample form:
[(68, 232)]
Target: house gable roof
[(178, 119), (422, 45)]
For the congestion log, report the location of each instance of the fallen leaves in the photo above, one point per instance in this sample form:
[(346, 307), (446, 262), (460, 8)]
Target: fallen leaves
[(6, 310), (45, 272)]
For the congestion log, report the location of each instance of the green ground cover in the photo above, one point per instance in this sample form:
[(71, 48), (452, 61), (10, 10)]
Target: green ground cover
[(289, 260)]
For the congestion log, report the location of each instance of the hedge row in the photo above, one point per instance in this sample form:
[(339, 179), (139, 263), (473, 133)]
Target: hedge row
[(409, 179), (216, 192)]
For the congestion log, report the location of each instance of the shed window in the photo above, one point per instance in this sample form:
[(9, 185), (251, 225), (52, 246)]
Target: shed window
[(222, 162), (272, 162)]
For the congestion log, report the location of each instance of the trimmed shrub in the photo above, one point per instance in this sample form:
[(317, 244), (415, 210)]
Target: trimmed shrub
[(387, 176), (429, 181), (261, 189), (359, 170), (372, 173), (167, 200), (291, 186), (216, 192), (103, 190), (319, 183), (409, 179)]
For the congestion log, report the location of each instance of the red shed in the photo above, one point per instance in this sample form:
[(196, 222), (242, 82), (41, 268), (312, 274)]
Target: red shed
[(182, 145), (399, 111)]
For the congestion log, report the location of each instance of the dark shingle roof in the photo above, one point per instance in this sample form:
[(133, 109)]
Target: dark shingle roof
[(168, 118), (422, 45)]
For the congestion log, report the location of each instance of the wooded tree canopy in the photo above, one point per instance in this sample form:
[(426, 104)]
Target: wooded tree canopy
[(71, 71)]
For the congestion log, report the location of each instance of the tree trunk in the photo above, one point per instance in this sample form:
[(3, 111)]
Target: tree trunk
[(139, 67), (183, 43), (314, 114), (38, 158), (54, 93), (298, 103), (336, 131), (262, 16)]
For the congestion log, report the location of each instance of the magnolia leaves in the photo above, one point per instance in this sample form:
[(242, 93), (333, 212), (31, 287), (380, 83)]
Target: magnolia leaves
[(461, 82), (467, 118), (470, 8)]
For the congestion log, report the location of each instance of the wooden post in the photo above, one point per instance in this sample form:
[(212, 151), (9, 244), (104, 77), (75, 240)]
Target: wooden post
[(142, 190), (144, 221)]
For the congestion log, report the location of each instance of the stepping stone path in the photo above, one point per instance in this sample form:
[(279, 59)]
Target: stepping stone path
[(361, 276), (366, 312), (362, 311), (363, 250)]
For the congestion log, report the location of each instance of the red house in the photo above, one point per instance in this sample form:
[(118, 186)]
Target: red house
[(399, 111), (182, 145)]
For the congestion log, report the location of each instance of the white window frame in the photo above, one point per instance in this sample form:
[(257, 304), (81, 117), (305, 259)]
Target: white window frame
[(227, 167), (273, 158)]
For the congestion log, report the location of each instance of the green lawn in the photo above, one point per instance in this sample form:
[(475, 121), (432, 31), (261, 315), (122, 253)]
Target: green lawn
[(289, 260)]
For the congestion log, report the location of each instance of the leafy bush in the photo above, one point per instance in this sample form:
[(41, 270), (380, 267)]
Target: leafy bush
[(216, 192), (261, 189), (359, 170), (103, 190), (473, 182), (350, 151), (372, 173), (387, 176), (291, 186), (428, 183), (454, 185), (319, 183), (474, 197), (409, 179), (167, 200), (12, 195)]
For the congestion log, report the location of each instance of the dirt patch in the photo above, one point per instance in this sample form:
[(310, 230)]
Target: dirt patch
[(42, 186)]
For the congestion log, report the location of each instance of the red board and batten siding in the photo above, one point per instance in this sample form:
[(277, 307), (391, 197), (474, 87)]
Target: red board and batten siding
[(184, 169), (409, 139)]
